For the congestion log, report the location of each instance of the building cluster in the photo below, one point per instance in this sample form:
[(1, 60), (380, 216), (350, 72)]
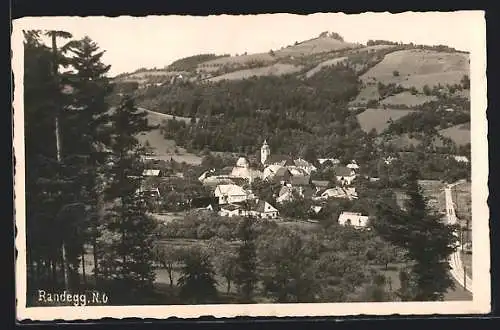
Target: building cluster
[(233, 195)]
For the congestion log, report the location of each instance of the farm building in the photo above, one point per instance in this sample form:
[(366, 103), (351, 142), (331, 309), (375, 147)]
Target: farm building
[(231, 193), (354, 219), (344, 175)]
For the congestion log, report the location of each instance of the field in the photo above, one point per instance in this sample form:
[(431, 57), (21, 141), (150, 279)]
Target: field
[(277, 69), (367, 93), (235, 60), (163, 148), (326, 63), (378, 119), (420, 67), (408, 99), (460, 134)]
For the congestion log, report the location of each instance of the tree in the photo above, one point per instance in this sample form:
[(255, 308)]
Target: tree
[(245, 274), (465, 81), (225, 260), (84, 124), (288, 259), (128, 233), (197, 281), (168, 257), (424, 236), (427, 90)]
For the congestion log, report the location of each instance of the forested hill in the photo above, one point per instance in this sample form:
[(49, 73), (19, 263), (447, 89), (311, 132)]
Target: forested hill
[(325, 94)]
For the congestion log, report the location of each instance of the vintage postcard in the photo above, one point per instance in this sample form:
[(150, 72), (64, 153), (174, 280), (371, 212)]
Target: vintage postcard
[(253, 165)]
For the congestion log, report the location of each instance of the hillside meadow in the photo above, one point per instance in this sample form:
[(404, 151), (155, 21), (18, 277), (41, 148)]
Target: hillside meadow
[(378, 119), (460, 134), (417, 67)]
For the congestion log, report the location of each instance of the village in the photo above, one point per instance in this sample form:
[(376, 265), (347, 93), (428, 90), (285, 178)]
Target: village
[(227, 191)]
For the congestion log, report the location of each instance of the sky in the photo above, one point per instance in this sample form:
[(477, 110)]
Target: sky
[(156, 41)]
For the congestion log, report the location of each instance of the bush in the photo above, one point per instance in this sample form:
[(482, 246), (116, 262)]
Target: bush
[(395, 73)]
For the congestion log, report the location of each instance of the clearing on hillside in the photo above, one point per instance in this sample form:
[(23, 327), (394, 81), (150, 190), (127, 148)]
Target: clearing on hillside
[(315, 46), (369, 92), (324, 64), (277, 69), (240, 60), (417, 67), (460, 134), (378, 119), (165, 149), (408, 99)]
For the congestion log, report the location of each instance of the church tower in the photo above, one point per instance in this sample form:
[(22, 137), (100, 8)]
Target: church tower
[(265, 151)]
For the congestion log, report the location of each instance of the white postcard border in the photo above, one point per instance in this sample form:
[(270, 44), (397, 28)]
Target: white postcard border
[(480, 304)]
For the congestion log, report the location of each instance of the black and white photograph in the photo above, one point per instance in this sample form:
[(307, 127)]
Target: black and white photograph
[(251, 165)]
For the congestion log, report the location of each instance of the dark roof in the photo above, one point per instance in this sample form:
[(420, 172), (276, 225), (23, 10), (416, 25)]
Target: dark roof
[(282, 160), (231, 207), (342, 171), (300, 180), (281, 172), (258, 206), (204, 201), (320, 183)]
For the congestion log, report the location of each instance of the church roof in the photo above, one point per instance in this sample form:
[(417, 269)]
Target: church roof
[(282, 160), (242, 162)]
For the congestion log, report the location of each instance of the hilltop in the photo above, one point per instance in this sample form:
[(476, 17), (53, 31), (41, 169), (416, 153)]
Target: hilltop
[(312, 91)]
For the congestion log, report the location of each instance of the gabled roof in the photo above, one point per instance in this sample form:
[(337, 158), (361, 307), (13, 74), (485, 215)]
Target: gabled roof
[(320, 183), (303, 163), (281, 172), (285, 190), (260, 206), (230, 207), (282, 160), (230, 190), (342, 171)]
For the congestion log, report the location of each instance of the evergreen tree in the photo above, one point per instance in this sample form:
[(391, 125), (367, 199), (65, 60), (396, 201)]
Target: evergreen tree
[(47, 189), (426, 239), (245, 274), (84, 124), (127, 232)]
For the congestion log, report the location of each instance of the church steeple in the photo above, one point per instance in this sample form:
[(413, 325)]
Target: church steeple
[(265, 151)]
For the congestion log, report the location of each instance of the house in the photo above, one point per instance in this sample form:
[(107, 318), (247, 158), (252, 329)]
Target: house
[(257, 208), (262, 209), (389, 159), (285, 194), (316, 209), (353, 165), (230, 193), (328, 161), (281, 160), (151, 172), (340, 192), (355, 219), (300, 180), (344, 175), (305, 165), (203, 202), (243, 170), (230, 210), (461, 159), (277, 173)]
